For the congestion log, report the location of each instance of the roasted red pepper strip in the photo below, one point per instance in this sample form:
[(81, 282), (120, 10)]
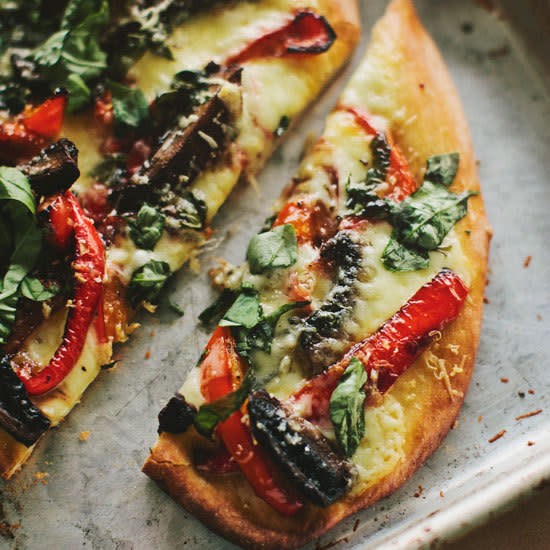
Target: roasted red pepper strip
[(88, 267), (28, 133), (46, 119), (395, 345), (220, 367), (300, 214), (307, 33), (399, 177)]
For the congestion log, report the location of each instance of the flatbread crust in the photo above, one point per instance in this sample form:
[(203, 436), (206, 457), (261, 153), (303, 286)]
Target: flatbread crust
[(343, 16), (227, 503)]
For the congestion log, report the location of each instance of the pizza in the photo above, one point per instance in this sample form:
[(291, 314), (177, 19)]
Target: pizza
[(123, 128), (344, 346)]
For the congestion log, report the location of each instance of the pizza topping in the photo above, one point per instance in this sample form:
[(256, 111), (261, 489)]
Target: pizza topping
[(388, 352), (147, 228), (25, 135), (54, 170), (147, 282), (342, 254), (421, 221), (299, 449), (346, 407), (177, 415), (20, 247), (220, 368), (130, 109), (18, 416), (307, 33), (88, 268), (272, 249)]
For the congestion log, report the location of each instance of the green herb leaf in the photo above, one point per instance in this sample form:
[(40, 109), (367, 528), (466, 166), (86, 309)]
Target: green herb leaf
[(347, 407), (190, 211), (79, 93), (33, 289), (130, 109), (275, 248), (428, 215), (147, 228), (245, 312), (442, 168), (216, 310), (14, 186), (209, 415), (109, 169), (397, 257), (147, 282), (282, 127)]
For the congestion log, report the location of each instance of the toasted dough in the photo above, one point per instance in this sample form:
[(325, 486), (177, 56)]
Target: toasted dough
[(227, 503)]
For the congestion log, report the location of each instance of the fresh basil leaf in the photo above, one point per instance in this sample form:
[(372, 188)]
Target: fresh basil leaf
[(14, 186), (347, 407), (245, 312), (130, 109), (398, 257), (109, 170), (33, 289), (282, 127), (442, 168), (275, 248), (147, 282), (364, 201), (73, 55), (147, 228), (260, 336), (28, 244), (49, 53), (190, 211), (210, 414), (79, 92), (425, 218), (216, 310)]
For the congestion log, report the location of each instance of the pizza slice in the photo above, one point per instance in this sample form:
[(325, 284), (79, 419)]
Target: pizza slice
[(344, 346), (124, 129)]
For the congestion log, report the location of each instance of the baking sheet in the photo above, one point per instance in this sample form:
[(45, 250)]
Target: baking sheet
[(91, 494)]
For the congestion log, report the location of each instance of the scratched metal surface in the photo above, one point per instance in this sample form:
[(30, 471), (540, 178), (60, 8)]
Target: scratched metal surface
[(91, 494)]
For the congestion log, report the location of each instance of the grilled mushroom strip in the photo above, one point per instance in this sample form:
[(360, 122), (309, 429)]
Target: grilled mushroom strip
[(177, 415), (18, 416), (300, 450), (343, 255), (54, 169), (184, 151)]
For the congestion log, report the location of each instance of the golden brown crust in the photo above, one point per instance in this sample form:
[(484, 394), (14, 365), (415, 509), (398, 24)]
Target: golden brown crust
[(227, 503)]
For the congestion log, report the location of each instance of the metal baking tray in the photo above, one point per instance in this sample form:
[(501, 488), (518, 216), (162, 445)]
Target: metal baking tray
[(91, 494)]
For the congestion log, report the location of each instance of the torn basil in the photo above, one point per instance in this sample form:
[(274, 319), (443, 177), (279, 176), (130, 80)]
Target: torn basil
[(442, 168), (130, 109), (347, 407), (147, 228), (147, 282), (221, 409), (275, 248)]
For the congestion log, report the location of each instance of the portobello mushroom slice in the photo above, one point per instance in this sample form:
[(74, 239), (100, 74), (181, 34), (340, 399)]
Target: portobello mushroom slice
[(320, 329), (184, 151), (18, 416), (54, 169), (300, 450), (177, 415)]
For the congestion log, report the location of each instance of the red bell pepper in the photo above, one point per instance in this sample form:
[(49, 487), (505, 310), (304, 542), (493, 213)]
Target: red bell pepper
[(399, 177), (28, 133), (89, 267), (220, 368), (307, 33), (46, 119), (394, 346)]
